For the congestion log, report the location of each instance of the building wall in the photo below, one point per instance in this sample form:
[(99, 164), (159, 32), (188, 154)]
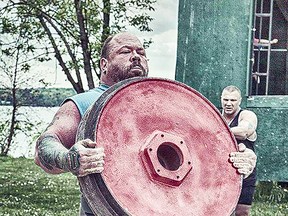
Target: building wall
[(214, 42)]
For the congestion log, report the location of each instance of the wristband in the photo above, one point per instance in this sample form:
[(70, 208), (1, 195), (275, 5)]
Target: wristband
[(73, 160)]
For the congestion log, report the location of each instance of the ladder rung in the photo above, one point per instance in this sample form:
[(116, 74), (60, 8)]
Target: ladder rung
[(272, 50), (261, 45), (263, 14), (276, 50), (259, 74)]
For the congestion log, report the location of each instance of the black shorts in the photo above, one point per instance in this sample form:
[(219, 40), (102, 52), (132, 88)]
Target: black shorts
[(248, 189)]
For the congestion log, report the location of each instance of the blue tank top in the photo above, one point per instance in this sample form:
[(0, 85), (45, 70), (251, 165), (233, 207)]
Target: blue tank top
[(86, 99)]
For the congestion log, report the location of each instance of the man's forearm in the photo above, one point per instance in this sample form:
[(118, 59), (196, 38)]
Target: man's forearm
[(51, 153), (244, 130), (239, 132)]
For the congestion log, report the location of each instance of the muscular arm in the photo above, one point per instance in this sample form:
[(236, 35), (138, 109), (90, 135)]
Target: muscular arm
[(57, 152), (246, 126), (52, 146)]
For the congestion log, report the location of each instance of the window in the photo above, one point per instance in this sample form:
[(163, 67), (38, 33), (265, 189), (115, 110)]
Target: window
[(270, 57)]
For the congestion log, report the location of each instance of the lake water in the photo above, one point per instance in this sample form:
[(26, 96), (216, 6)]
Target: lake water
[(24, 143)]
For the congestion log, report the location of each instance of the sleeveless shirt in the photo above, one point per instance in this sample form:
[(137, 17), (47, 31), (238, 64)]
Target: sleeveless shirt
[(251, 179), (248, 143), (86, 99), (83, 101)]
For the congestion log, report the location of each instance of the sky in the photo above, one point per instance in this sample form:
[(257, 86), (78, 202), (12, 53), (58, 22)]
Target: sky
[(161, 53)]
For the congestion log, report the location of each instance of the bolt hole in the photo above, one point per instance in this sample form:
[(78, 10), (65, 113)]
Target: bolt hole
[(162, 135), (189, 162), (177, 177), (158, 170), (150, 149), (181, 142), (169, 156)]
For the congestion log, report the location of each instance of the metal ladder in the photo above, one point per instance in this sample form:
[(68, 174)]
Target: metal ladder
[(260, 14)]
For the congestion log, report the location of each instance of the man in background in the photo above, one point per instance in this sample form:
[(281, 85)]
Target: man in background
[(243, 124)]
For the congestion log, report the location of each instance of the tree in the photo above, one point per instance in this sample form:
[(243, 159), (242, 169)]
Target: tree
[(14, 70), (75, 30), (72, 31)]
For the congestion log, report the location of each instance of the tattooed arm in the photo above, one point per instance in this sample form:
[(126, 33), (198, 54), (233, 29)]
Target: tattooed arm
[(50, 154), (56, 150)]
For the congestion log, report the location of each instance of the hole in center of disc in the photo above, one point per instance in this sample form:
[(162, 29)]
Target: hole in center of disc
[(169, 156)]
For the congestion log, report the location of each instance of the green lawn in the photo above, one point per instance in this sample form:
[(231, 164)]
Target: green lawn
[(27, 190)]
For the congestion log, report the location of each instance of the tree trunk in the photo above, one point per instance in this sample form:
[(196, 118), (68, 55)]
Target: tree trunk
[(14, 108), (106, 20), (84, 44)]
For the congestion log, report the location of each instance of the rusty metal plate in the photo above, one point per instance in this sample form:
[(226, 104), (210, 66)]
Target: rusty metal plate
[(167, 150)]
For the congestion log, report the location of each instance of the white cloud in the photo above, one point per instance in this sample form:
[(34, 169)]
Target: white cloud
[(162, 53), (166, 16)]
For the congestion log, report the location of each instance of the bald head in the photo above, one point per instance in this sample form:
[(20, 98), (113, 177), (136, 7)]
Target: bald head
[(106, 48), (123, 56), (232, 88)]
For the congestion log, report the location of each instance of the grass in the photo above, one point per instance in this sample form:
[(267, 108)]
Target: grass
[(269, 209), (27, 190)]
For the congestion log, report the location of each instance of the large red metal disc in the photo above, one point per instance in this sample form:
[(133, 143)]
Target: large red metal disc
[(167, 150)]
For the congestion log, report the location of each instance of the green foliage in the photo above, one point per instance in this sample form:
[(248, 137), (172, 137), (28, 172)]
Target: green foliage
[(23, 126), (4, 130), (27, 190), (269, 209), (47, 97), (71, 31), (271, 196), (271, 192), (133, 13)]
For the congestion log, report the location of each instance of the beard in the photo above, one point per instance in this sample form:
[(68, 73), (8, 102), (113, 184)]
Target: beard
[(136, 69), (129, 71)]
